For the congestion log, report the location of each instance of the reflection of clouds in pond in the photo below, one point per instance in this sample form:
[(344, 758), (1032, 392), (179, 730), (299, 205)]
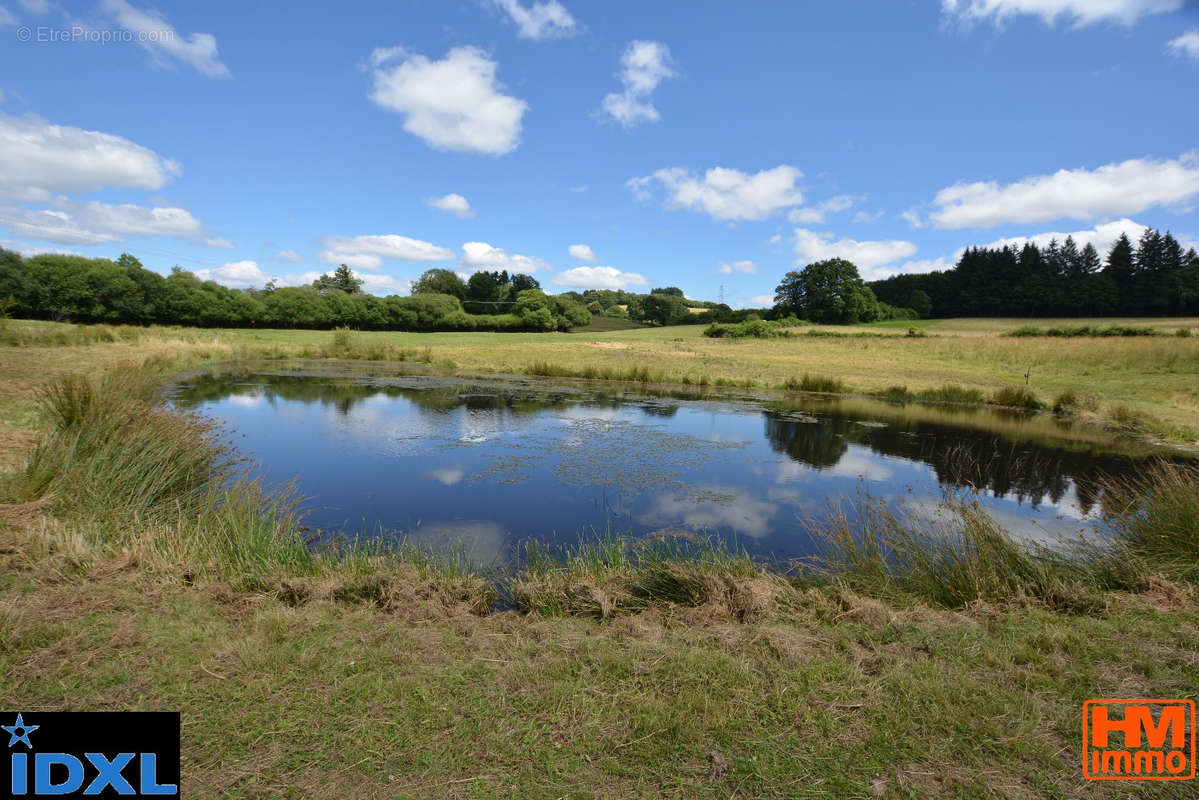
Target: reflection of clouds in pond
[(376, 427), (859, 462), (712, 508), (448, 476), (479, 542), (245, 400), (1040, 529)]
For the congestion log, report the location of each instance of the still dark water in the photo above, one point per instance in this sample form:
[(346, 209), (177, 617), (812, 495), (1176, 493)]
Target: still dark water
[(486, 464)]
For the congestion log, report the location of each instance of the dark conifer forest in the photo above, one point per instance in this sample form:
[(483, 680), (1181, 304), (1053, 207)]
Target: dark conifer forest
[(1151, 278)]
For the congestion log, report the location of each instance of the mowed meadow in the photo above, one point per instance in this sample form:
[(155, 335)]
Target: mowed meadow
[(133, 577)]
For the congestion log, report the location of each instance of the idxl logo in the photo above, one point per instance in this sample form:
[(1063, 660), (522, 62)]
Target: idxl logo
[(82, 754)]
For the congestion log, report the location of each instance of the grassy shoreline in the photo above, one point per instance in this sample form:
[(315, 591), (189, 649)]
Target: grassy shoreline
[(127, 582)]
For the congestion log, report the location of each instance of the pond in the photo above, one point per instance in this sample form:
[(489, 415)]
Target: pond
[(484, 464)]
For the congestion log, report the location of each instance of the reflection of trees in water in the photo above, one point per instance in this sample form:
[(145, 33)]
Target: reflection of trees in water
[(343, 395), (820, 442), (959, 457)]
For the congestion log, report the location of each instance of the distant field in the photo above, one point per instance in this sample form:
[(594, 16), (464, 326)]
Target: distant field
[(1156, 377)]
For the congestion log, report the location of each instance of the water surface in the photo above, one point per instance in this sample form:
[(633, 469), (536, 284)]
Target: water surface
[(485, 464)]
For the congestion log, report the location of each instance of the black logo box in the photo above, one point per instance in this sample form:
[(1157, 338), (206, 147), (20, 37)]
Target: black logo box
[(107, 732)]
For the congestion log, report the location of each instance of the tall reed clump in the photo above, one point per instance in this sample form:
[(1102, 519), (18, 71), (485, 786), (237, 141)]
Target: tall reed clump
[(606, 575), (957, 556), (130, 475), (349, 344), (1016, 397), (816, 383), (1156, 517)]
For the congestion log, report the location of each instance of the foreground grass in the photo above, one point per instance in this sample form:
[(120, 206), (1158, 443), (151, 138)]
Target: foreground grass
[(127, 583)]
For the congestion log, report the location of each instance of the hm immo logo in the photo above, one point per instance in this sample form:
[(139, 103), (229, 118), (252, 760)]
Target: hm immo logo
[(1138, 740), (77, 754)]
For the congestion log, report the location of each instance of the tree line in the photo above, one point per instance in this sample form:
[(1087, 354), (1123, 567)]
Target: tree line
[(89, 290), (1154, 277), (92, 290)]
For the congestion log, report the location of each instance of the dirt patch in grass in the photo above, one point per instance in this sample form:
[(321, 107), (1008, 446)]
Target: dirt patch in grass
[(610, 345)]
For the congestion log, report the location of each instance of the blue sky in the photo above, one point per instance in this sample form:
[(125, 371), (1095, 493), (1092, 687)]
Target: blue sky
[(596, 144)]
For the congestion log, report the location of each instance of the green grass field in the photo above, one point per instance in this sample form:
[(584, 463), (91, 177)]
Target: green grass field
[(124, 584)]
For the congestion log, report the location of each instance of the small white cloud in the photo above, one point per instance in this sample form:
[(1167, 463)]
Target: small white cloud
[(913, 218), (818, 214), (1128, 187), (539, 21), (454, 203), (452, 104), (777, 238), (579, 189), (290, 256), (761, 301), (1185, 45), (219, 243), (160, 39), (863, 217), (738, 267), (644, 65), (811, 246), (600, 278), (38, 160), (581, 252), (726, 194), (368, 252), (481, 256), (1079, 12), (6, 19)]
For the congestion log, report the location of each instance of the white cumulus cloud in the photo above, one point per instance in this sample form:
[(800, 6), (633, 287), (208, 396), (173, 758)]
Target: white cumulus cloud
[(1128, 187), (644, 65), (1078, 12), (453, 203), (452, 104), (600, 278), (236, 274), (812, 246), (1101, 236), (290, 256), (219, 243), (368, 252), (738, 267), (1185, 45), (581, 252), (38, 159), (726, 194), (164, 43), (480, 256), (69, 222), (539, 20)]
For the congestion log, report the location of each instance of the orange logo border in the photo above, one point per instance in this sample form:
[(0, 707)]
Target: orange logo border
[(1189, 704)]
